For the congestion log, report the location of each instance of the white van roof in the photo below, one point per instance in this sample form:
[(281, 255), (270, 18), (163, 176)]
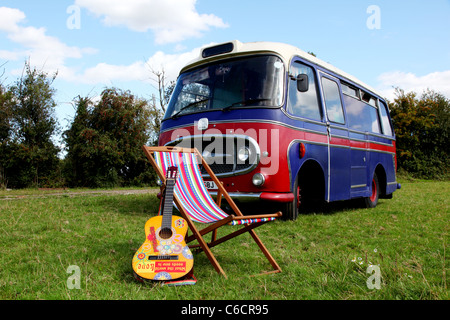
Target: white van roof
[(285, 51)]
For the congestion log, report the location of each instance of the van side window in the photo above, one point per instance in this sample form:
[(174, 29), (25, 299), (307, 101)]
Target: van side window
[(385, 123), (333, 101), (367, 98), (303, 104), (362, 116), (350, 90)]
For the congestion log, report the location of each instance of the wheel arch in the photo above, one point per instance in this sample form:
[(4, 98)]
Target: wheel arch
[(311, 180), (381, 175)]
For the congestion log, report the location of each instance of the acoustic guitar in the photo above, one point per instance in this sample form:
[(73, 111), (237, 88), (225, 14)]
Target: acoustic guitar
[(164, 255)]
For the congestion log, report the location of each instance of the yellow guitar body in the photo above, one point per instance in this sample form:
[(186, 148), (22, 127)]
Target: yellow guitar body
[(162, 256)]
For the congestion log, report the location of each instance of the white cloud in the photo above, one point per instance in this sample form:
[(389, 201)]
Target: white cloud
[(107, 73), (138, 71), (10, 17), (44, 51), (171, 63), (170, 20), (50, 54), (10, 55), (436, 81)]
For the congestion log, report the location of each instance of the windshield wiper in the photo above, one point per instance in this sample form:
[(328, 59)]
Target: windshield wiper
[(187, 107), (243, 103)]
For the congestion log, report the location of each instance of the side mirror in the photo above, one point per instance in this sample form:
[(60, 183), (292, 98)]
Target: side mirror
[(302, 82)]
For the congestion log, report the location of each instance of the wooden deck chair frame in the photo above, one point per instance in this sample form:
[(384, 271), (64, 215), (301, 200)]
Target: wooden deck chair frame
[(199, 234)]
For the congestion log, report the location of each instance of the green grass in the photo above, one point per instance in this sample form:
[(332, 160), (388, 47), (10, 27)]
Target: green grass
[(323, 254)]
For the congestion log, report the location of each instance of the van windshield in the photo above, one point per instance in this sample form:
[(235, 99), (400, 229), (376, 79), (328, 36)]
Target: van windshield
[(255, 81)]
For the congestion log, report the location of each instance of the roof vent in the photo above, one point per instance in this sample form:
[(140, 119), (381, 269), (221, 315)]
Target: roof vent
[(216, 50)]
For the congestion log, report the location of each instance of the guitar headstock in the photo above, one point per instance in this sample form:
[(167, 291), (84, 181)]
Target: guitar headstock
[(172, 173)]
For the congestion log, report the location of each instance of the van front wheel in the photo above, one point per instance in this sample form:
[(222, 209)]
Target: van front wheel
[(291, 209)]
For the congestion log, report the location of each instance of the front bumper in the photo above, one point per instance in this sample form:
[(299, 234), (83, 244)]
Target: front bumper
[(261, 196)]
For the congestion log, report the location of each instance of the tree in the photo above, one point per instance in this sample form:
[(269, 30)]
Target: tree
[(33, 159), (104, 142), (5, 133), (422, 131), (75, 167), (157, 110), (5, 115)]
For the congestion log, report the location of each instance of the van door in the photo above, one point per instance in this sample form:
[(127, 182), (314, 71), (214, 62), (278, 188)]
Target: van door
[(338, 141)]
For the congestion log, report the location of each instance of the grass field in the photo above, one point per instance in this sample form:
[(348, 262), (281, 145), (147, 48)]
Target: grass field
[(323, 254)]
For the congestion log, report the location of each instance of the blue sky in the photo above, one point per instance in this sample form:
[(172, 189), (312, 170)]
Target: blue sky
[(94, 44)]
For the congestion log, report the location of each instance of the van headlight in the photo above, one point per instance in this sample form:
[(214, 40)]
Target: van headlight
[(243, 154), (258, 179)]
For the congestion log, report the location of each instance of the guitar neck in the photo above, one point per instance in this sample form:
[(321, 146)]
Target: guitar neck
[(168, 206)]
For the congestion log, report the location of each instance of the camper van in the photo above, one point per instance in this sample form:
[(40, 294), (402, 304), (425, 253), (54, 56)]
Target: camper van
[(278, 125)]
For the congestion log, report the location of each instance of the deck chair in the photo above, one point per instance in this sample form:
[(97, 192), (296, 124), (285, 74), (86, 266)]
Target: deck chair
[(195, 203)]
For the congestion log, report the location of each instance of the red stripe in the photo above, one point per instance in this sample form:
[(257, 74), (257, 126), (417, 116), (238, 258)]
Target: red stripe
[(288, 134)]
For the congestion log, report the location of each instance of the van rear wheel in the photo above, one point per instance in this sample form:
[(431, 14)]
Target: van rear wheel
[(372, 200)]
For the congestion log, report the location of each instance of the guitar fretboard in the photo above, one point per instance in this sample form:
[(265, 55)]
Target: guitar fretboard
[(168, 205)]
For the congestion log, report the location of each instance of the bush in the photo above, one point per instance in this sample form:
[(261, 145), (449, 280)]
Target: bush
[(28, 155), (422, 131), (104, 142)]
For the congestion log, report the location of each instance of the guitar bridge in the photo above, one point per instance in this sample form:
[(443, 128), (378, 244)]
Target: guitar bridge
[(162, 257)]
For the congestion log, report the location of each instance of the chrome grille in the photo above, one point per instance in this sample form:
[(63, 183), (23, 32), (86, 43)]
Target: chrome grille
[(221, 152)]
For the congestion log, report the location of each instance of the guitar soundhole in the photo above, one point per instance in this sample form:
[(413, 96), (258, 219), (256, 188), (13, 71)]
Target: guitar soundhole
[(165, 233)]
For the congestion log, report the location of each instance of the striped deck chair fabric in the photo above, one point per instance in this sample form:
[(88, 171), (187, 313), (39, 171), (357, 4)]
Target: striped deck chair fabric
[(195, 203), (191, 190)]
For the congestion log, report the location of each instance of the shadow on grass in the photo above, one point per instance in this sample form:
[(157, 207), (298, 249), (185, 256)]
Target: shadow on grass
[(313, 208), (324, 208)]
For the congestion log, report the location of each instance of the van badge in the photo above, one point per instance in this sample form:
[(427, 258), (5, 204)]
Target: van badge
[(202, 124)]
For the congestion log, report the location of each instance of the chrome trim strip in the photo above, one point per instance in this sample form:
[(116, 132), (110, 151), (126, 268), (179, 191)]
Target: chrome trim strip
[(240, 196), (371, 150)]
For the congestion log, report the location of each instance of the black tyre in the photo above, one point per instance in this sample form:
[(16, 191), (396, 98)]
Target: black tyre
[(371, 202), (291, 209)]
